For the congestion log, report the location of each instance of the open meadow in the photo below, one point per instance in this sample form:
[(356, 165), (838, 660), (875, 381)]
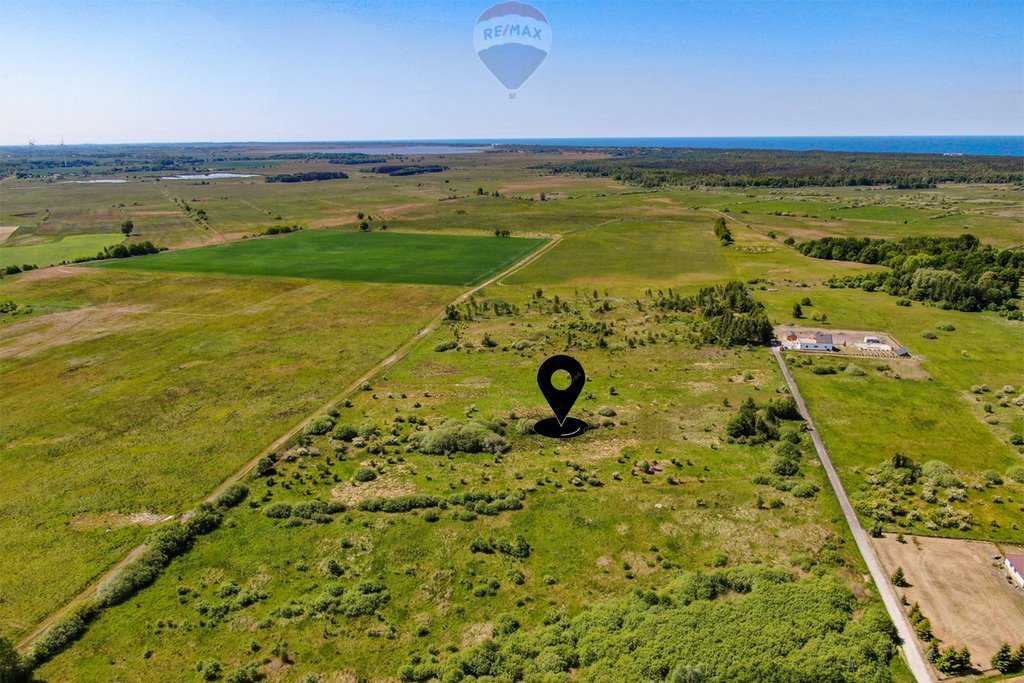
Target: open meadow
[(417, 527)]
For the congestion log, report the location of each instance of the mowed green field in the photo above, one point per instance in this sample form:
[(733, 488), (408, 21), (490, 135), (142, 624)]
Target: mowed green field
[(349, 256), (65, 248)]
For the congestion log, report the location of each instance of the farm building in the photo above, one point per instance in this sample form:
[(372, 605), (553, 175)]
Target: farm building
[(1015, 565), (819, 342)]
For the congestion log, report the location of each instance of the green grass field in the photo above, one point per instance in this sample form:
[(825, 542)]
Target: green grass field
[(348, 256), (64, 248), (175, 369)]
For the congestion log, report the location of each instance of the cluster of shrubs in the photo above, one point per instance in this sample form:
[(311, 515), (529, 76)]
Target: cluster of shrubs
[(726, 315), (316, 510), (518, 547), (14, 269), (477, 502), (922, 625), (1007, 660), (363, 599), (281, 229), (455, 436), (949, 661), (756, 423), (123, 251)]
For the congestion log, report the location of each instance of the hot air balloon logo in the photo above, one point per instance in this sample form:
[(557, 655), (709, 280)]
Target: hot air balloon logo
[(512, 39)]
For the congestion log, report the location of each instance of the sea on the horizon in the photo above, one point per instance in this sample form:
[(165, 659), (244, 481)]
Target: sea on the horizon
[(989, 145)]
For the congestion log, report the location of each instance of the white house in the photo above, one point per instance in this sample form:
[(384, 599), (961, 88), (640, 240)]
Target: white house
[(1015, 565), (819, 342)]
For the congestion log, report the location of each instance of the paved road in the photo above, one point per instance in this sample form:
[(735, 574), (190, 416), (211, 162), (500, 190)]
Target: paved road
[(911, 652), (400, 353)]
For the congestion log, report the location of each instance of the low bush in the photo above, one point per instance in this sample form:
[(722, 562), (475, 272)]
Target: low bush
[(399, 503), (172, 539), (364, 474), (1016, 473), (310, 508), (940, 474), (202, 521), (783, 466), (804, 490), (278, 511), (232, 496), (345, 432), (466, 437), (319, 425), (126, 583)]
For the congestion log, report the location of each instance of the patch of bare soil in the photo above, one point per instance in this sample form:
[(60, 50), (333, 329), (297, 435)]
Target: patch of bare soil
[(116, 520), (31, 336), (52, 273), (383, 487), (476, 634), (5, 231), (962, 590)]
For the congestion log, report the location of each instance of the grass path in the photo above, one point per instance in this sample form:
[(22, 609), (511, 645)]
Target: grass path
[(401, 352), (911, 652)]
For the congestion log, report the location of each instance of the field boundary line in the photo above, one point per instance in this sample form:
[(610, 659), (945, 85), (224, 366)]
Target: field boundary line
[(911, 652), (389, 361)]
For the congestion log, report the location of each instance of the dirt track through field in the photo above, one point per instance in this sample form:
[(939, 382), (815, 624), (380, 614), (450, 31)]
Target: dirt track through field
[(392, 358)]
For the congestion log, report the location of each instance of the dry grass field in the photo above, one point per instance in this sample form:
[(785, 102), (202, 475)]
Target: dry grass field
[(961, 589)]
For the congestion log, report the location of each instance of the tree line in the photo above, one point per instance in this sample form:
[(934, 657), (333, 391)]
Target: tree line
[(956, 272), (306, 176), (763, 168)]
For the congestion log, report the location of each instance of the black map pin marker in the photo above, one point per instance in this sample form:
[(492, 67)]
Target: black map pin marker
[(561, 400)]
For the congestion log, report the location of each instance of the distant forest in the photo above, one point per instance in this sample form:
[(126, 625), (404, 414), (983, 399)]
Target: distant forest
[(955, 272), (648, 167), (407, 169), (306, 177)]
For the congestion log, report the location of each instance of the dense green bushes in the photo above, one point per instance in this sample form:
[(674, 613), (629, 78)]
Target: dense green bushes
[(722, 232), (758, 423), (518, 547), (399, 503), (164, 544), (278, 510), (473, 501), (319, 425), (956, 272), (66, 631), (12, 670), (772, 629), (466, 437), (232, 496), (726, 315)]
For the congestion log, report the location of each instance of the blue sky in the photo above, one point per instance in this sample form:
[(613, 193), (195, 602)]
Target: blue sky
[(357, 70)]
